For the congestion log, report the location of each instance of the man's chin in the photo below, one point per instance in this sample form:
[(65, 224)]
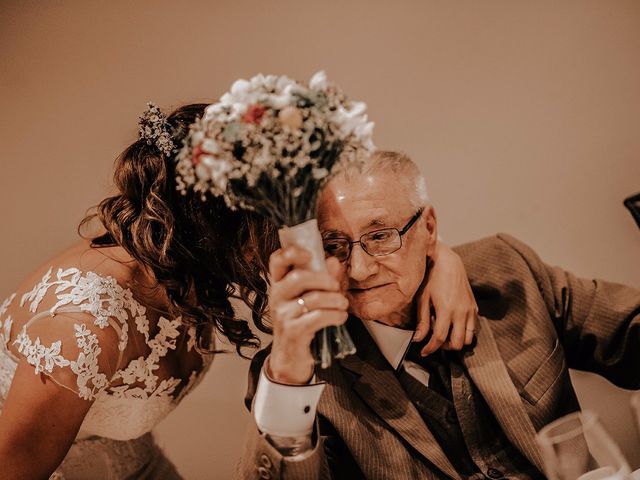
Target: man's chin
[(369, 315)]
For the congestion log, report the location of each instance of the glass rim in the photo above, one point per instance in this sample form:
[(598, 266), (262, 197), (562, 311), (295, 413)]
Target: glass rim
[(587, 420)]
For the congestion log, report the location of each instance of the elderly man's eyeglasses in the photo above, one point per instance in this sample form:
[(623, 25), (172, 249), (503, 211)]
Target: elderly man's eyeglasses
[(376, 243)]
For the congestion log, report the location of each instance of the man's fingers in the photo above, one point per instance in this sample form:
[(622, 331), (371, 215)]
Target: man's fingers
[(294, 310), (305, 326), (285, 259), (297, 282), (319, 319), (318, 300)]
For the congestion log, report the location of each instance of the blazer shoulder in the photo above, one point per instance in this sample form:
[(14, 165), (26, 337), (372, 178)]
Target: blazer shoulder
[(500, 245), (499, 256)]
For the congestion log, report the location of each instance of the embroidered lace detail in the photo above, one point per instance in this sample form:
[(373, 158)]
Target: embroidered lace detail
[(36, 353), (128, 402), (7, 365), (5, 328), (141, 370), (85, 367), (5, 305), (100, 296)]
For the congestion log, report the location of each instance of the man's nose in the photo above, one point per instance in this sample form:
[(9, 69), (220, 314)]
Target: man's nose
[(361, 264)]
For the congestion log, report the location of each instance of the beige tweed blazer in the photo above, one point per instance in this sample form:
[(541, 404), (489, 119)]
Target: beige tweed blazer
[(535, 322)]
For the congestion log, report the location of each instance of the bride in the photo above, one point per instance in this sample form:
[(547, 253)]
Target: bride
[(101, 342)]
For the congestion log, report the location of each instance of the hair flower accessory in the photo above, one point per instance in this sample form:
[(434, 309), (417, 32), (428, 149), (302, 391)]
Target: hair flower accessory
[(155, 129), (269, 145)]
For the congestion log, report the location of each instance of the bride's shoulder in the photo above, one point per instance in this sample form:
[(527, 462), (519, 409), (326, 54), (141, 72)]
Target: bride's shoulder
[(82, 261), (81, 279), (69, 318)]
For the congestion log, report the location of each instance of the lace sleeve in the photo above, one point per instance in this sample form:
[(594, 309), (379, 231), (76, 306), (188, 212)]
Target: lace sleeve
[(71, 350), (78, 342)]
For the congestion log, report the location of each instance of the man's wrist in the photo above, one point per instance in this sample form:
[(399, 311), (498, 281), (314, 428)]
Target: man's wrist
[(298, 372), (285, 410)]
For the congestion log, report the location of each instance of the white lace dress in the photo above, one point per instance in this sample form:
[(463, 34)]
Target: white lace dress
[(90, 335)]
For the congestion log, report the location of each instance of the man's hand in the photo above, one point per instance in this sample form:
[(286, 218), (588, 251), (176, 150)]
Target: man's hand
[(447, 288), (302, 302)]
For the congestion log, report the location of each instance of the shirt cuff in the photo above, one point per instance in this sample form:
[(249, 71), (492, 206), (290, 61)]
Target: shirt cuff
[(285, 410)]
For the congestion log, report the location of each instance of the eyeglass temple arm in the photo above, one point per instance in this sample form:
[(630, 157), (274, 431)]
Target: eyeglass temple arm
[(413, 220)]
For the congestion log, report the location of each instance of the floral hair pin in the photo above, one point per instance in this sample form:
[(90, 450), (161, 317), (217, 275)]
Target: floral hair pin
[(154, 129)]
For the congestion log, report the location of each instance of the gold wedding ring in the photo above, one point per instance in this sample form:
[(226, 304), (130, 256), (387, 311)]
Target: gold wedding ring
[(302, 303)]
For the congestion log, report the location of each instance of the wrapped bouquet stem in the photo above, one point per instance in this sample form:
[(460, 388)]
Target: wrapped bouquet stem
[(269, 145), (332, 341)]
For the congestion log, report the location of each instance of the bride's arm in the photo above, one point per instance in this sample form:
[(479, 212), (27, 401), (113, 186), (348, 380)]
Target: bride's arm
[(446, 288), (38, 423), (64, 362)]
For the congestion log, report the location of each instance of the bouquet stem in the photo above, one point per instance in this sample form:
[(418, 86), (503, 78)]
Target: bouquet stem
[(330, 342)]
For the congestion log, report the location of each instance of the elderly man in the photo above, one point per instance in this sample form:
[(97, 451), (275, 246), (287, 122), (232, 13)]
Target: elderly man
[(390, 413)]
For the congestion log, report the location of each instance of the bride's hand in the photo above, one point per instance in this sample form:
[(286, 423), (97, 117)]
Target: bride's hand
[(446, 288)]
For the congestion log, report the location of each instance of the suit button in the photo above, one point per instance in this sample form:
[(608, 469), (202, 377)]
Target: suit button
[(494, 473), (264, 473), (264, 460)]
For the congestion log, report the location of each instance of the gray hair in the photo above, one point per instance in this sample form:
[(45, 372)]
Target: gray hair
[(404, 168)]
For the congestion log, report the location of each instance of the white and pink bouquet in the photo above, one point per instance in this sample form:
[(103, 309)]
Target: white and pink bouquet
[(269, 145)]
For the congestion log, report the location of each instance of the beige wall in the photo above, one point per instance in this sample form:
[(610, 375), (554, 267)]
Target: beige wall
[(524, 114)]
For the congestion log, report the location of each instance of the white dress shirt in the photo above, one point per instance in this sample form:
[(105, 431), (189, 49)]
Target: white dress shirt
[(290, 410)]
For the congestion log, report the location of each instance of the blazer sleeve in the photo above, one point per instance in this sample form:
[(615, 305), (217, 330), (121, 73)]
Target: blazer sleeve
[(261, 459), (597, 322)]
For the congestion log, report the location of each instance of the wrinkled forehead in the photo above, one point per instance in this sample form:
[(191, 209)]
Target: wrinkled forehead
[(355, 202)]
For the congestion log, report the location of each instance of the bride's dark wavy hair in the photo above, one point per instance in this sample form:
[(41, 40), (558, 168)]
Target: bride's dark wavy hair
[(200, 252)]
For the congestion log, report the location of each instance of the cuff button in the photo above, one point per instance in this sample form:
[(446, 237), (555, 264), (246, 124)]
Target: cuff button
[(494, 473)]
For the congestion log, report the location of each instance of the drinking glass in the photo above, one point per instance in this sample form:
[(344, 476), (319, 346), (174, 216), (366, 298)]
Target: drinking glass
[(577, 447)]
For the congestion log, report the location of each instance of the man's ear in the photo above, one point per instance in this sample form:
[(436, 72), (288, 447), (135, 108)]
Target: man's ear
[(431, 225)]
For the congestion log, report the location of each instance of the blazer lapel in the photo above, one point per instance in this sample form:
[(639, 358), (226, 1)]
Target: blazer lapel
[(489, 373), (376, 385)]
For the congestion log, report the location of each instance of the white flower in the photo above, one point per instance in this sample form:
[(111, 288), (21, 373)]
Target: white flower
[(203, 172), (237, 109), (282, 100), (197, 137), (210, 146), (211, 112), (349, 120), (257, 81), (218, 170), (318, 81), (364, 133), (319, 173), (263, 158), (240, 88)]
